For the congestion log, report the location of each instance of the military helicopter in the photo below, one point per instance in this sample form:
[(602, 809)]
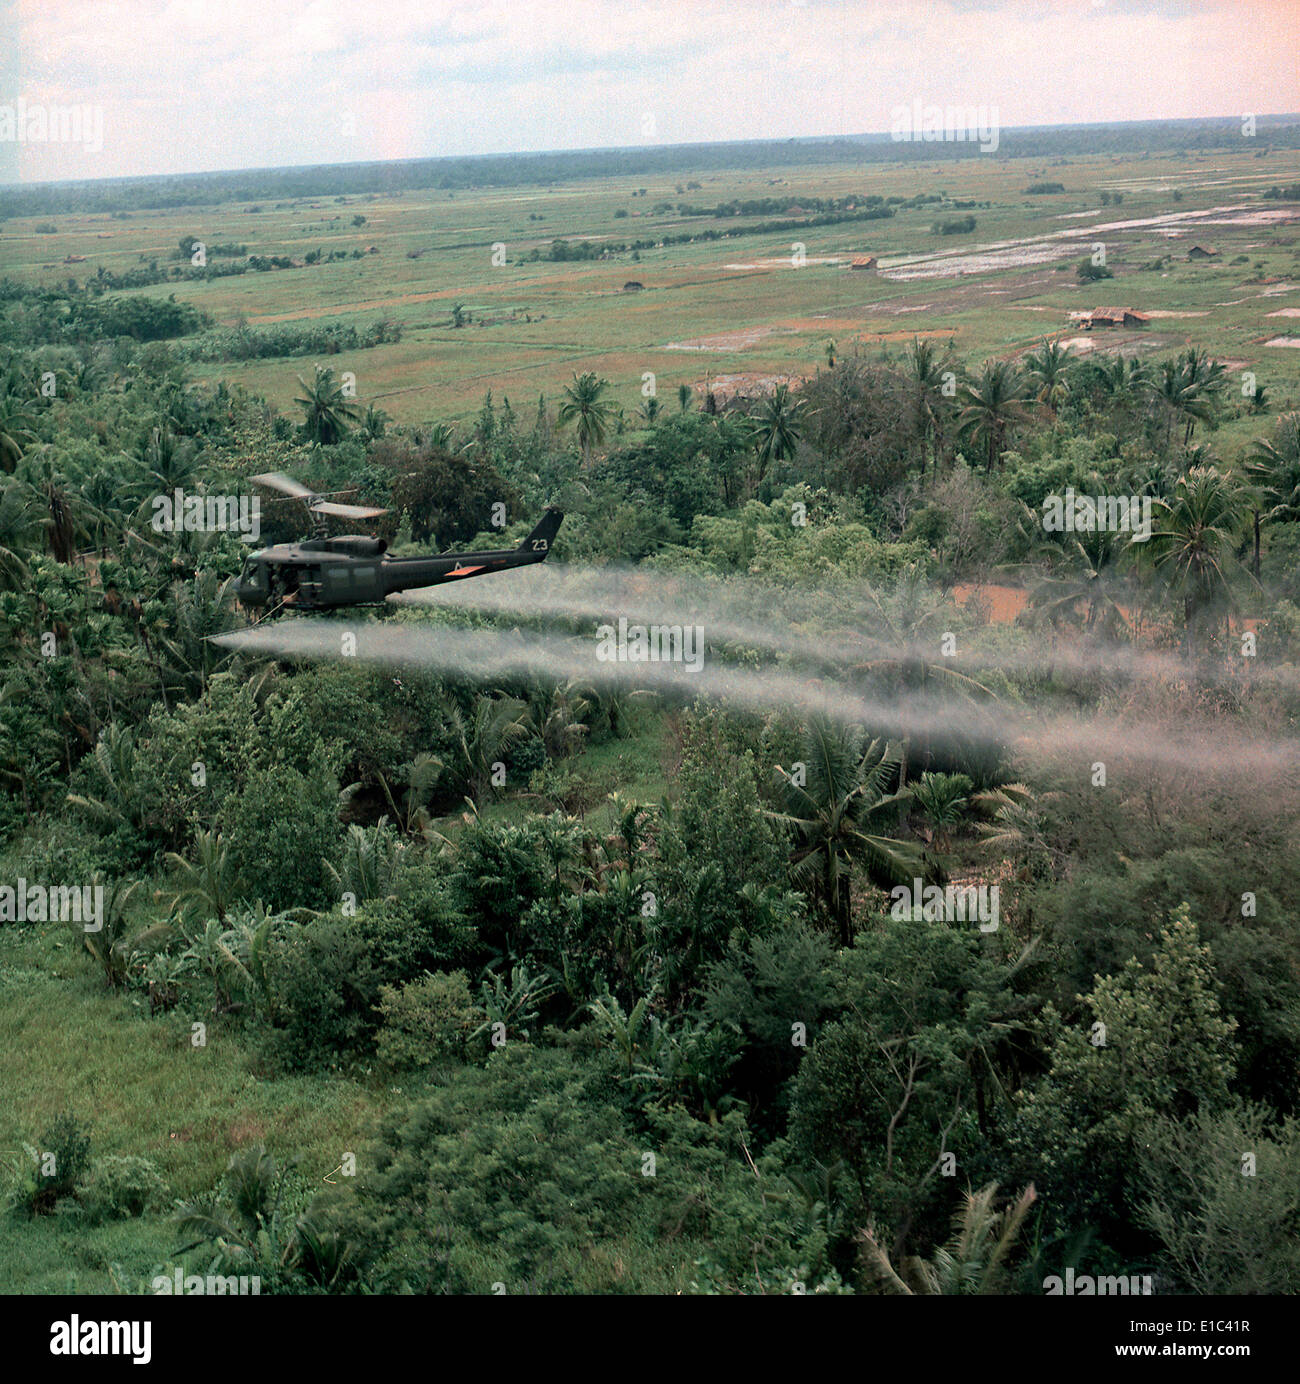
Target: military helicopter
[(321, 573)]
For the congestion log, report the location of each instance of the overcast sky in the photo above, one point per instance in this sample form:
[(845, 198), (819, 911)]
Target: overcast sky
[(191, 85)]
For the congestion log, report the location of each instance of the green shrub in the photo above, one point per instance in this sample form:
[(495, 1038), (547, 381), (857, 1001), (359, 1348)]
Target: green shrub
[(324, 987), (426, 1020), (122, 1187), (280, 829), (58, 1163)]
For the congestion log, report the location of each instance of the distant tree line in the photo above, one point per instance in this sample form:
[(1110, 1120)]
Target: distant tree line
[(69, 314), (243, 342), (504, 170)]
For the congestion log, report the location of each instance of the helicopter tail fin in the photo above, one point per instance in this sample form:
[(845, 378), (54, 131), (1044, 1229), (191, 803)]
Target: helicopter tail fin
[(538, 543)]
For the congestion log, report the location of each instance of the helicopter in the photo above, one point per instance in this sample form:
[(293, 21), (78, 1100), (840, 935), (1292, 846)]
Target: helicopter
[(322, 573)]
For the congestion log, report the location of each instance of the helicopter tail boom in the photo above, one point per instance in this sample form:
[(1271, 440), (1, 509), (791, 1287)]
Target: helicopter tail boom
[(539, 541)]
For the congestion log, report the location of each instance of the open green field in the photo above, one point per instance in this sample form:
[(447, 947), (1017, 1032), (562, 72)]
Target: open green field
[(734, 312)]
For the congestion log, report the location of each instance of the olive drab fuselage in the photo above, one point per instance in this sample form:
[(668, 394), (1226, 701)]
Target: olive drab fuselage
[(321, 573)]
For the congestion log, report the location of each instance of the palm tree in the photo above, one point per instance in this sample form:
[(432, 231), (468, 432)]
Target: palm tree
[(584, 401), (776, 427), (1208, 378), (1015, 825), (927, 370), (1120, 381), (119, 799), (373, 422), (1185, 389), (972, 1262), (20, 530), (994, 404), (440, 436), (116, 949), (328, 409), (245, 1226), (558, 714), (482, 740), (196, 610), (207, 888), (1274, 466), (1193, 546), (369, 862), (843, 791), (15, 432), (899, 655), (169, 461), (65, 507), (684, 396), (1048, 374), (104, 492), (1120, 378), (1082, 569), (942, 799), (420, 777)]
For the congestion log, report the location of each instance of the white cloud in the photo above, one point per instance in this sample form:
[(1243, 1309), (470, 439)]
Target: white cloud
[(189, 84)]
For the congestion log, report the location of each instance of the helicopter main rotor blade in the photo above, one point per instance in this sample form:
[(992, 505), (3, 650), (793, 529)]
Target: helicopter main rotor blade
[(346, 511), (277, 480)]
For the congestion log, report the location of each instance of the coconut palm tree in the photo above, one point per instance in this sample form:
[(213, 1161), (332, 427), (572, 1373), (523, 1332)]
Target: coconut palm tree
[(584, 401), (327, 408), (1193, 546), (66, 512), (1120, 378), (1015, 825), (927, 369), (169, 461), (776, 427), (20, 531), (1047, 370), (834, 804), (368, 862), (993, 403), (15, 432), (1082, 570), (1274, 467), (118, 798), (373, 422), (1184, 390), (117, 949), (899, 654)]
